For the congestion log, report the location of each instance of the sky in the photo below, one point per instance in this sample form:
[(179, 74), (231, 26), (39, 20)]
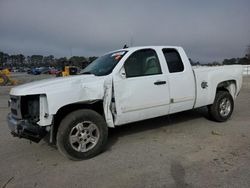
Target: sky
[(208, 30)]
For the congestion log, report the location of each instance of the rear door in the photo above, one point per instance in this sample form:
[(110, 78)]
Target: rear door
[(141, 90), (181, 80)]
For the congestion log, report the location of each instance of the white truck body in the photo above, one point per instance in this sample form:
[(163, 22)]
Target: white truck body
[(163, 84), (136, 98)]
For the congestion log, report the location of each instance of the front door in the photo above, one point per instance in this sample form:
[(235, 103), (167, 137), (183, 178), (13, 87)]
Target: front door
[(142, 92)]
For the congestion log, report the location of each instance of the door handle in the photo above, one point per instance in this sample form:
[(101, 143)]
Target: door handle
[(160, 82)]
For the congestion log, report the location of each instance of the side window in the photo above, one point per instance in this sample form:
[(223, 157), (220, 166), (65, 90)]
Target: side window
[(142, 63), (173, 60)]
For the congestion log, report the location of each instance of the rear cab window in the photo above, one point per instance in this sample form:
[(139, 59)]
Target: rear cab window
[(173, 60)]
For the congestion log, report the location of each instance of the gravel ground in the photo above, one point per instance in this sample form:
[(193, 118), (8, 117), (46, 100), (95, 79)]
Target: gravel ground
[(180, 150)]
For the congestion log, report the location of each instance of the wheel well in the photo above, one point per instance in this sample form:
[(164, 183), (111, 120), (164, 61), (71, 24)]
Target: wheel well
[(65, 110), (224, 86)]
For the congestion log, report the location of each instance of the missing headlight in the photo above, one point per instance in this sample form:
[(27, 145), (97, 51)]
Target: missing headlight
[(30, 108)]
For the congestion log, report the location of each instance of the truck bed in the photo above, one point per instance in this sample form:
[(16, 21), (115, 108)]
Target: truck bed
[(212, 76)]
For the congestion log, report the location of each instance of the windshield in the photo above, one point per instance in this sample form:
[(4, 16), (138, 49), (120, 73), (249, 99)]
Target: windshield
[(105, 64)]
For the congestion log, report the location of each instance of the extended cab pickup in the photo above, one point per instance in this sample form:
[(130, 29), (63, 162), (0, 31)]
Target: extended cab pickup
[(120, 87)]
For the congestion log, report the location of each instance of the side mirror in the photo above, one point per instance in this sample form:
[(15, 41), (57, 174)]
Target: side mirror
[(122, 73)]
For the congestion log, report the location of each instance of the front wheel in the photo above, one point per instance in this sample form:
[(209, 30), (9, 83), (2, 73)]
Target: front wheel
[(82, 134), (222, 108)]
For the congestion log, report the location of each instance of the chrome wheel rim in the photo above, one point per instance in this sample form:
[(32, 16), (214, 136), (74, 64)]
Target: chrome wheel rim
[(84, 136), (225, 107)]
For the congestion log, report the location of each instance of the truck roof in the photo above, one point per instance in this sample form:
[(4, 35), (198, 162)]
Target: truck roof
[(142, 47)]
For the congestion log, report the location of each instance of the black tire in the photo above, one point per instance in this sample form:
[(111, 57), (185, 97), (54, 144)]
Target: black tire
[(69, 123), (214, 110), (59, 74), (5, 80)]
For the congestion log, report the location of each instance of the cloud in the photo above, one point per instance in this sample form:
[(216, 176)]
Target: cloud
[(209, 31)]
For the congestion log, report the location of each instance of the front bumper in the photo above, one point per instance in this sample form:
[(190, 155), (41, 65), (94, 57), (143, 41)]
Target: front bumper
[(24, 129)]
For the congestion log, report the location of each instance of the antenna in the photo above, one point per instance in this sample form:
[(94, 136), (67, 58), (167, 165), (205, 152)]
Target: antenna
[(131, 41), (70, 52)]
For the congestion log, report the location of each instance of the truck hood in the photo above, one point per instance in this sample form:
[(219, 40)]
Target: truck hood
[(66, 90), (54, 85), (56, 93)]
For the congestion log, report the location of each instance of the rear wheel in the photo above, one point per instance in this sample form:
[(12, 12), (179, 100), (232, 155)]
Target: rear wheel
[(222, 108), (82, 134)]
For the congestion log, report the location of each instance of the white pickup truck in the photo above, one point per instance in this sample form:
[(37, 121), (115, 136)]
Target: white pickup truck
[(120, 87)]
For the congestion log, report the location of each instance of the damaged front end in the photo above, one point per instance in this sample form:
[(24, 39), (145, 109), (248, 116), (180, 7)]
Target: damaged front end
[(24, 116)]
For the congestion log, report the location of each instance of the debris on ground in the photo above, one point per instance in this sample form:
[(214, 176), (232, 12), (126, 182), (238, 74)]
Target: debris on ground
[(216, 133)]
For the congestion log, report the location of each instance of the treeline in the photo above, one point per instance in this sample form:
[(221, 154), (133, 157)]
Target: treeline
[(232, 61), (19, 60), (242, 61)]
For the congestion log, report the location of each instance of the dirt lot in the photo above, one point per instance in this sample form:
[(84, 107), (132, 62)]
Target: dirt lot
[(181, 150)]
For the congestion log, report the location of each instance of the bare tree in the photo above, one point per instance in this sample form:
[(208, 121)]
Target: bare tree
[(248, 52)]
